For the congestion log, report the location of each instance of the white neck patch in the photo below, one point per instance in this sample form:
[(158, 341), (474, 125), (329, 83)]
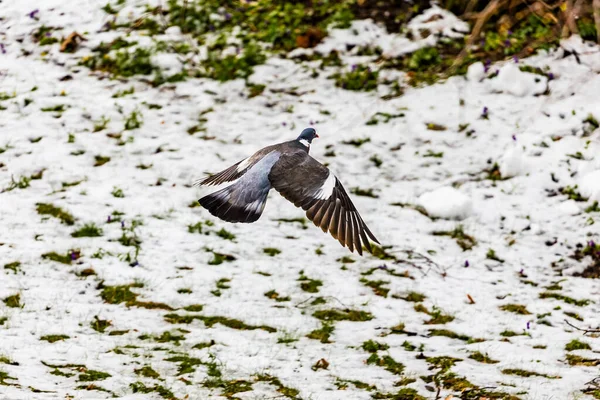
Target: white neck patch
[(304, 142)]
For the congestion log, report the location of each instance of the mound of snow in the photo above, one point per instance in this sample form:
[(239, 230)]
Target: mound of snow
[(446, 202), (476, 72), (589, 185), (513, 163), (513, 81)]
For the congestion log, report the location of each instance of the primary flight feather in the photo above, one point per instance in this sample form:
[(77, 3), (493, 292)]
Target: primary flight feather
[(298, 177)]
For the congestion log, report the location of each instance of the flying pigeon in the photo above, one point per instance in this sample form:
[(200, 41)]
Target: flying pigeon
[(298, 177)]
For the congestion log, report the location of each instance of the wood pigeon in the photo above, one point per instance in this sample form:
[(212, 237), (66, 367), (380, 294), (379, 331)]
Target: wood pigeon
[(298, 177)]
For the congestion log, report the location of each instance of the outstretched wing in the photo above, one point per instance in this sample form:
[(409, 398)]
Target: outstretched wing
[(310, 185), (235, 171)]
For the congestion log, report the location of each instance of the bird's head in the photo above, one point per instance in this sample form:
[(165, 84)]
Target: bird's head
[(308, 134)]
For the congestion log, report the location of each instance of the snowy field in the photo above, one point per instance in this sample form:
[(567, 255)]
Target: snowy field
[(482, 190)]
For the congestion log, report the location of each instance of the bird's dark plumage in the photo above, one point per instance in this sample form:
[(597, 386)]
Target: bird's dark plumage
[(298, 177)]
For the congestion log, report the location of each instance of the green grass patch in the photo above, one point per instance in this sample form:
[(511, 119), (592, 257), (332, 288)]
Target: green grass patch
[(482, 358), (56, 212), (54, 338), (515, 308), (566, 299), (577, 345), (322, 334), (343, 315), (13, 301), (88, 230), (463, 240)]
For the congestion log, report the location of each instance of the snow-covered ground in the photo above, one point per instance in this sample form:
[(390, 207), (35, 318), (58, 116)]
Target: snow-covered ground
[(271, 299)]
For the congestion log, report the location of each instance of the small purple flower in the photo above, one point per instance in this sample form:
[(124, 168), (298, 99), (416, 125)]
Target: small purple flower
[(528, 324), (34, 13), (514, 137), (383, 266), (515, 59), (509, 32), (354, 66), (467, 264), (227, 16), (284, 123), (550, 76), (486, 65), (521, 271), (368, 69), (484, 113), (211, 28), (108, 219), (134, 264), (507, 43), (2, 48), (73, 256), (591, 244), (122, 224)]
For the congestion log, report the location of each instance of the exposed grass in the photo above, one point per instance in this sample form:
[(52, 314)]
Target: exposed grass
[(577, 345), (323, 334), (436, 314), (343, 315), (56, 212), (377, 286), (482, 358), (209, 321), (100, 325), (272, 294), (526, 374), (140, 387), (309, 285), (373, 347), (566, 299), (13, 266), (387, 362), (123, 294), (88, 230), (515, 308), (13, 301), (453, 335), (463, 240), (271, 251), (54, 338)]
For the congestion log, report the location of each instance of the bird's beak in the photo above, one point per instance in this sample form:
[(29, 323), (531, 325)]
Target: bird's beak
[(316, 135)]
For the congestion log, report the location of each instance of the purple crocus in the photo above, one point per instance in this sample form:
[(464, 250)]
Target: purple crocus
[(122, 224), (108, 219), (484, 113), (34, 13), (134, 264), (514, 137), (550, 76), (383, 266), (591, 244), (528, 324), (2, 48), (467, 264), (284, 123), (73, 256), (227, 16), (507, 43), (515, 59), (486, 65), (509, 32), (354, 66)]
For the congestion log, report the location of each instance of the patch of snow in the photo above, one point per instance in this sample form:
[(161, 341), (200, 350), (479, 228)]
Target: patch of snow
[(514, 162), (589, 186), (446, 202), (512, 80)]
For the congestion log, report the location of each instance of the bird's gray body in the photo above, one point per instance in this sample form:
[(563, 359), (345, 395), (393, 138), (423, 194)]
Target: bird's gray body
[(298, 177)]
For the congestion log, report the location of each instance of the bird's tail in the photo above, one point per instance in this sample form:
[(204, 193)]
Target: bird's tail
[(226, 205)]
